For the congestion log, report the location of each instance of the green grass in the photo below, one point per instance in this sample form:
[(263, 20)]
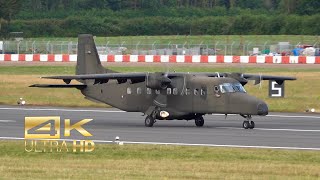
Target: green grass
[(67, 70), (14, 81), (158, 162), (204, 39)]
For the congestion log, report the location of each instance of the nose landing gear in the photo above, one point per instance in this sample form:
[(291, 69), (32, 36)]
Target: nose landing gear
[(248, 124)]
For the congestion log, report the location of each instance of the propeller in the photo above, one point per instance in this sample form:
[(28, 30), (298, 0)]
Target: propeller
[(160, 82)]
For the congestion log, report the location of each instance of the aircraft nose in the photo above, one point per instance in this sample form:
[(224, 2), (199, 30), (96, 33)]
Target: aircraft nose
[(262, 109)]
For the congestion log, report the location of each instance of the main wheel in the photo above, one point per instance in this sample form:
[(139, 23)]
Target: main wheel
[(245, 124), (149, 121), (199, 121), (252, 125)]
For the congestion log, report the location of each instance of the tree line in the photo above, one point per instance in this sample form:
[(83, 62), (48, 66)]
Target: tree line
[(288, 6), (159, 17)]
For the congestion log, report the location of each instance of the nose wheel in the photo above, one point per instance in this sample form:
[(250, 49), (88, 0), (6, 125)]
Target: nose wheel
[(248, 124)]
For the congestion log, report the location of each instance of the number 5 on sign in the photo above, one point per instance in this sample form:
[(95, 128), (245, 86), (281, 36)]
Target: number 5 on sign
[(276, 90)]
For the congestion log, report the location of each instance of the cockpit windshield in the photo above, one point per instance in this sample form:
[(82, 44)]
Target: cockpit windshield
[(231, 87), (238, 87)]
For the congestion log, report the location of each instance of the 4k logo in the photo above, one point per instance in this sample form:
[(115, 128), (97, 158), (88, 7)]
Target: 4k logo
[(49, 127)]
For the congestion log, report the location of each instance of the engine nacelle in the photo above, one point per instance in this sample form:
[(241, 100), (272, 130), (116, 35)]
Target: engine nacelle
[(157, 80)]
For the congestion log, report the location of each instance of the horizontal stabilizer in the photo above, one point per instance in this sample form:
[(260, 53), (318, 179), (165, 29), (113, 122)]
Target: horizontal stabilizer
[(78, 86)]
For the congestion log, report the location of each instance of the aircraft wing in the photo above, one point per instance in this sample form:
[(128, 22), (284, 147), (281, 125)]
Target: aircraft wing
[(100, 76), (258, 78), (141, 76), (78, 86), (134, 77), (268, 77)]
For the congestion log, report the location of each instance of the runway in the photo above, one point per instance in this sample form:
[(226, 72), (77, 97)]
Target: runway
[(277, 130)]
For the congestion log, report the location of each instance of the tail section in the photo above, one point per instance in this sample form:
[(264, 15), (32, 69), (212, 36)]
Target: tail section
[(88, 61)]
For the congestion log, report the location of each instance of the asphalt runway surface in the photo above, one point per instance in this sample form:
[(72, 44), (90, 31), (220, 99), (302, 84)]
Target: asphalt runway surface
[(277, 130)]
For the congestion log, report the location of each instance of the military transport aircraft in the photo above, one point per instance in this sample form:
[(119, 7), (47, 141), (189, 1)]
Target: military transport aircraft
[(161, 95)]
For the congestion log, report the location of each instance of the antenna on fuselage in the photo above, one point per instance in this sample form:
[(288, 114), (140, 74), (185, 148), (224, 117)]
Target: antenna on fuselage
[(260, 84), (218, 74)]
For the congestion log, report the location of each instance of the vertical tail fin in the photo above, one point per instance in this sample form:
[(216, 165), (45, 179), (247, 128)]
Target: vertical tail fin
[(88, 61)]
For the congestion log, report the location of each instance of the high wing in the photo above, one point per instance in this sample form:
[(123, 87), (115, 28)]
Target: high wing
[(100, 76), (258, 78), (78, 86), (268, 77), (138, 75), (161, 76)]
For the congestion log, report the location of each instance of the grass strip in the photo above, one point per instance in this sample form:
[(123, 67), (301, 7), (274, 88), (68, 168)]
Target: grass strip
[(158, 162)]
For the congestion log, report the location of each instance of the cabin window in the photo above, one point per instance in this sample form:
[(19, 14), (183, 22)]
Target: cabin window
[(203, 92), (175, 91), (168, 91), (149, 91), (188, 91), (129, 90), (139, 91), (157, 91), (196, 92)]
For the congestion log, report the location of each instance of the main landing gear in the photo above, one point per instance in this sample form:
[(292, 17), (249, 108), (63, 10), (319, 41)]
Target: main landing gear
[(149, 121), (199, 121), (248, 124)]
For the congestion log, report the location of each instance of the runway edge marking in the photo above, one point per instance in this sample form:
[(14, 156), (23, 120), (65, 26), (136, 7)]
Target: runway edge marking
[(119, 111), (184, 144), (268, 129), (275, 115), (64, 110), (5, 120)]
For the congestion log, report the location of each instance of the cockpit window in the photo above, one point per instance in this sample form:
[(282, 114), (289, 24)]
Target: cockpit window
[(226, 87), (231, 87), (238, 87)]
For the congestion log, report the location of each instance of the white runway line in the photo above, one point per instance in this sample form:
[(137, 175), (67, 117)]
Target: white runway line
[(119, 111), (291, 116), (184, 144), (294, 130), (63, 110), (267, 129), (271, 115), (7, 120)]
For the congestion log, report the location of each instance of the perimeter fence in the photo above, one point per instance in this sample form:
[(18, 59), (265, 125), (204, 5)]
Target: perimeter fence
[(123, 48)]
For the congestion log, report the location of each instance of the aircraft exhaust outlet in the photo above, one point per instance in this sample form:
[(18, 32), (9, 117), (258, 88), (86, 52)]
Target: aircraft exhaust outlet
[(164, 114)]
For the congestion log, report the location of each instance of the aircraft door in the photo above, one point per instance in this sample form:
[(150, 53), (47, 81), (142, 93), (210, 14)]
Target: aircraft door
[(219, 99)]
